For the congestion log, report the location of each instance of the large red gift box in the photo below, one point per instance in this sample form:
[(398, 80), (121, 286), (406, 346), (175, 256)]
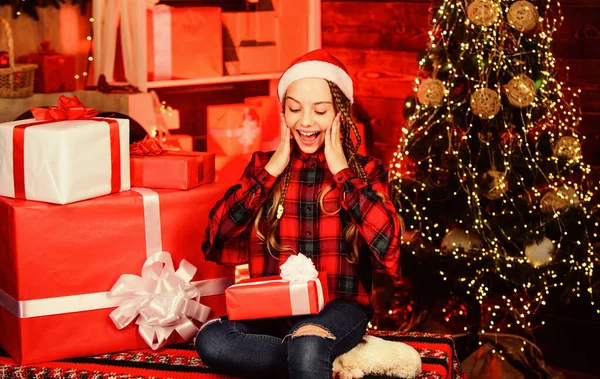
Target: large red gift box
[(55, 72), (277, 297), (52, 254), (173, 169), (184, 42)]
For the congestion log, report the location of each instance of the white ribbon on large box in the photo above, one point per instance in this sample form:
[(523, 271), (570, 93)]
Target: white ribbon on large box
[(164, 299)]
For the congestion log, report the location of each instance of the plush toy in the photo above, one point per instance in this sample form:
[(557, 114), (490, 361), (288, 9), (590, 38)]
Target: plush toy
[(376, 356)]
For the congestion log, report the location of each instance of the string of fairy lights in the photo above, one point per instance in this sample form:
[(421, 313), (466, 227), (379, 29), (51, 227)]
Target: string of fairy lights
[(508, 37)]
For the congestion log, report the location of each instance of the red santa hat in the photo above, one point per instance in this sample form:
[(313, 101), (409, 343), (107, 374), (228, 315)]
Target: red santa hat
[(317, 64)]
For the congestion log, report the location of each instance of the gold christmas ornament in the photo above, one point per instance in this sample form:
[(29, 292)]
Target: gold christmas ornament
[(523, 16), (540, 254), (485, 103), (568, 147), (559, 200), (493, 184), (459, 239), (521, 91), (431, 92), (483, 12)]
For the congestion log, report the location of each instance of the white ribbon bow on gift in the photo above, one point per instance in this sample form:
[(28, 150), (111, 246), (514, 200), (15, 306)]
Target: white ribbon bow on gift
[(299, 270), (164, 300)]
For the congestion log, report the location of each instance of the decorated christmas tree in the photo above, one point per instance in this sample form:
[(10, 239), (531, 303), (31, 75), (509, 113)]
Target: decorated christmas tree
[(489, 175)]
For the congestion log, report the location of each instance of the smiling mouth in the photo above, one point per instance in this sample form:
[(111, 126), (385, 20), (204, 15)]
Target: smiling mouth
[(308, 138)]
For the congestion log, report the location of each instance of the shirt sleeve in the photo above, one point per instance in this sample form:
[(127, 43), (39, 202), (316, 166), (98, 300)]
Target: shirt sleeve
[(231, 216), (369, 206)]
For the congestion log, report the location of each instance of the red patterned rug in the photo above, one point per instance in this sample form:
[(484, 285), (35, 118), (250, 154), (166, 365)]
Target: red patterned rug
[(181, 361)]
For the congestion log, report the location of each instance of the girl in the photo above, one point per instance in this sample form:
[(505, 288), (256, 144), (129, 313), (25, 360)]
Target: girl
[(313, 195)]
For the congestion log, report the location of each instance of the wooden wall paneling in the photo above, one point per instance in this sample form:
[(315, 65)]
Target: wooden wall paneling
[(583, 74), (382, 25), (384, 117), (379, 73), (579, 34)]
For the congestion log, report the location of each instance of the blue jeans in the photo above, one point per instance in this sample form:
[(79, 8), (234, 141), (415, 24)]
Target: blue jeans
[(263, 349)]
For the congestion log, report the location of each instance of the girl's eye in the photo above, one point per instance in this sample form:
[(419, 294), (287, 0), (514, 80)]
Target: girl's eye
[(294, 110), (320, 113)]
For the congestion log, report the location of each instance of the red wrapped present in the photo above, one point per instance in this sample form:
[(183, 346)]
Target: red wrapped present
[(298, 291), (257, 57), (64, 155), (4, 62), (55, 72), (247, 26), (153, 167), (59, 266), (184, 42), (233, 129)]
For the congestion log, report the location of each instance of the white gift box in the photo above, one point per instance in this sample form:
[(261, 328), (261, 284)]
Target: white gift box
[(65, 161)]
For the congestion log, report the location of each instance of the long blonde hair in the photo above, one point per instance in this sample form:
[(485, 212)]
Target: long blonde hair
[(343, 105)]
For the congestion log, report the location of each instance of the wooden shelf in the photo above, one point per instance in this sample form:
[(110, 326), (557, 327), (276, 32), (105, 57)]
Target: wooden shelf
[(214, 80)]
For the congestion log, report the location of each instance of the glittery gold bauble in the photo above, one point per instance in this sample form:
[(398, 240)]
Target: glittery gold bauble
[(459, 239), (485, 103), (568, 147), (493, 184), (431, 92), (540, 253), (521, 91), (483, 12), (523, 16), (559, 199)]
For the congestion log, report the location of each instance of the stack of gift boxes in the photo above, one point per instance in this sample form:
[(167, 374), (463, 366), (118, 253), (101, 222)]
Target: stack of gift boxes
[(197, 42), (266, 39), (99, 240)]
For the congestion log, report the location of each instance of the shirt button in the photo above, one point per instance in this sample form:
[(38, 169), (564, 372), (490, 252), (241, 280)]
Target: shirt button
[(339, 179), (308, 209), (308, 233), (264, 178), (310, 185), (313, 165)]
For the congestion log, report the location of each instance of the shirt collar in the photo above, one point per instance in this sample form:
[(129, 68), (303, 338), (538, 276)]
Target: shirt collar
[(304, 157)]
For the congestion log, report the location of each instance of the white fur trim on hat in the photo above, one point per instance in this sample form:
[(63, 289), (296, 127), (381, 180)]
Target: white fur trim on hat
[(316, 69)]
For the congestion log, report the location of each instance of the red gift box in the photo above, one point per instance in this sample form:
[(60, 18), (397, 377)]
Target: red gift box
[(277, 297), (257, 57), (55, 72), (184, 42), (233, 129), (49, 252), (173, 169), (269, 109)]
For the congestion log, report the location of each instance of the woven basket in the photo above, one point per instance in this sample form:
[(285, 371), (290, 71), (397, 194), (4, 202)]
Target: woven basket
[(17, 80)]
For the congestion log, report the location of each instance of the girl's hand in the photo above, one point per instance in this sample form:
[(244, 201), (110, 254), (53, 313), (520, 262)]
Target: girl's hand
[(281, 157), (334, 152)]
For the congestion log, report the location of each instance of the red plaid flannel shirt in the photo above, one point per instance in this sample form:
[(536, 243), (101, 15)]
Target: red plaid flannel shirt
[(230, 235)]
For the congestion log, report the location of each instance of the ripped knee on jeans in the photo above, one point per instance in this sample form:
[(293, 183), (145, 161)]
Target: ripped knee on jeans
[(312, 330)]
